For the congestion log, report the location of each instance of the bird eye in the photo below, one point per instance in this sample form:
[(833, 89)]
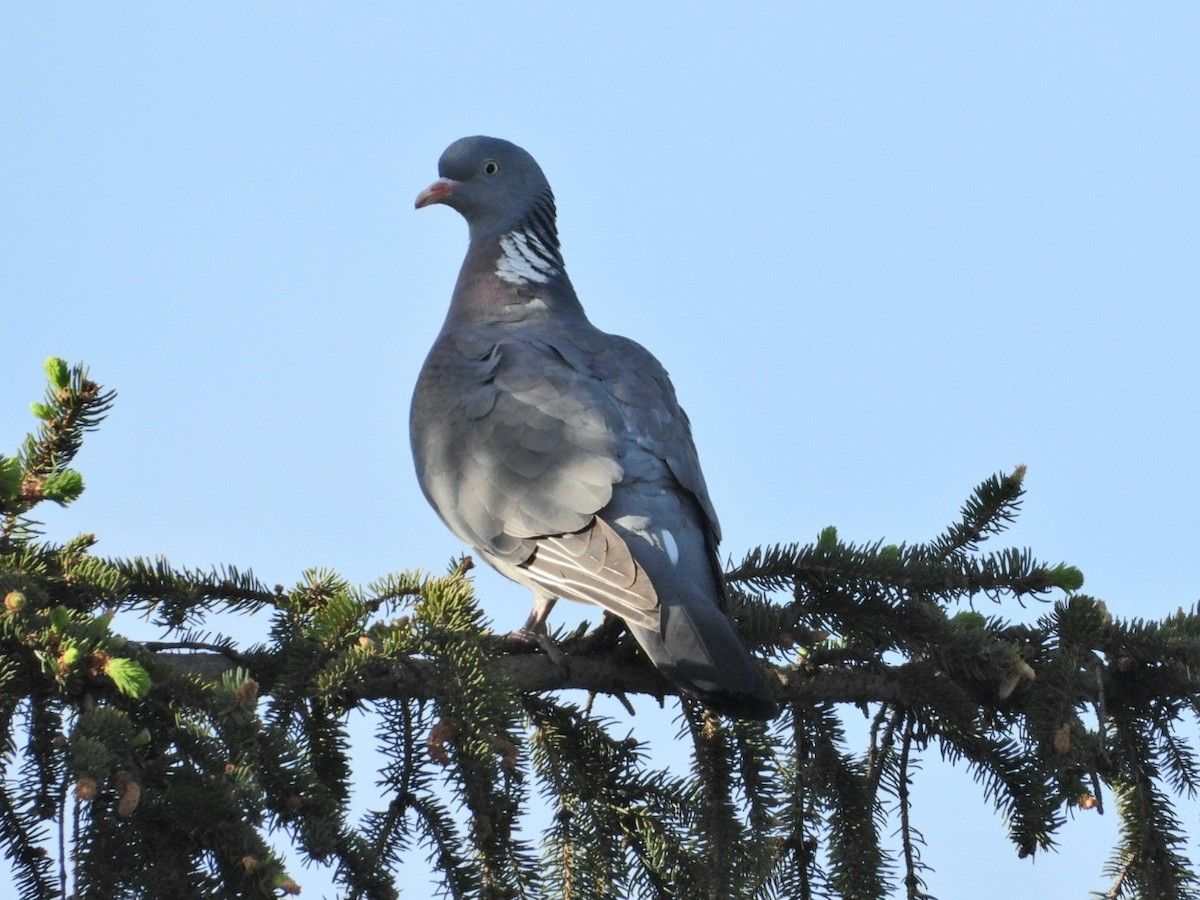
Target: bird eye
[(491, 167)]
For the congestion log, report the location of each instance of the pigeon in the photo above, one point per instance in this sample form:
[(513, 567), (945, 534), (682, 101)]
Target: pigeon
[(559, 452)]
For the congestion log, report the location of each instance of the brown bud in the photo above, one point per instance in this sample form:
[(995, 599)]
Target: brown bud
[(1008, 685), (31, 487), (85, 789), (508, 752), (1062, 739), (130, 792), (368, 644), (439, 736), (97, 663), (246, 693)]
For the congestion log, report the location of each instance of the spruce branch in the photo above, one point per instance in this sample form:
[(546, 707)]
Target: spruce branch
[(910, 838), (73, 405), (181, 760)]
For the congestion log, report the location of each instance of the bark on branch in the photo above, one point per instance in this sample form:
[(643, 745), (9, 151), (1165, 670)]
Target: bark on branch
[(608, 672)]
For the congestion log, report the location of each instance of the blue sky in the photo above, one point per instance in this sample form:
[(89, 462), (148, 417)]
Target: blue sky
[(884, 250)]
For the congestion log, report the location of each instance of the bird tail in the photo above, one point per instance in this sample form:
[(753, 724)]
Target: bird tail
[(697, 648)]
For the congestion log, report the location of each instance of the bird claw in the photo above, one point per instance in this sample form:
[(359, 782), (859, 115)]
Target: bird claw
[(537, 637)]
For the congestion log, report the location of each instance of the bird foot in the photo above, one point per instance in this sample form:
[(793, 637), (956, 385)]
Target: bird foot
[(537, 637)]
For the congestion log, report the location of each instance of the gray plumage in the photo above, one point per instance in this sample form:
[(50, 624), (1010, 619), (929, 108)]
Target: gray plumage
[(559, 452)]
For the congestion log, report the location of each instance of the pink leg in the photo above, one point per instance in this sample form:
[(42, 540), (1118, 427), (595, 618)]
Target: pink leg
[(534, 630), (542, 604)]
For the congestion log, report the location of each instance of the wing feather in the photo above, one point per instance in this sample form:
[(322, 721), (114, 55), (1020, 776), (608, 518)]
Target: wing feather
[(595, 566)]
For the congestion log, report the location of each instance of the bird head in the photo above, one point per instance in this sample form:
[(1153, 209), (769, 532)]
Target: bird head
[(491, 182)]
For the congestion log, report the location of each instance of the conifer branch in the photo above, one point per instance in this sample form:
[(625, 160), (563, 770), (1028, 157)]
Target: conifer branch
[(183, 759)]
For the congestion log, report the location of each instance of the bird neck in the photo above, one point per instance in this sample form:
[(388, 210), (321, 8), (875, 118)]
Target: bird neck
[(515, 276)]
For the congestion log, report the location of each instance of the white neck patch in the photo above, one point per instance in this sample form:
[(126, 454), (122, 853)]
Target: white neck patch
[(520, 262)]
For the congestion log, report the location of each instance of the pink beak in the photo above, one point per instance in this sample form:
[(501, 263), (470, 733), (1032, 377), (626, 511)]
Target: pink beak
[(437, 192)]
